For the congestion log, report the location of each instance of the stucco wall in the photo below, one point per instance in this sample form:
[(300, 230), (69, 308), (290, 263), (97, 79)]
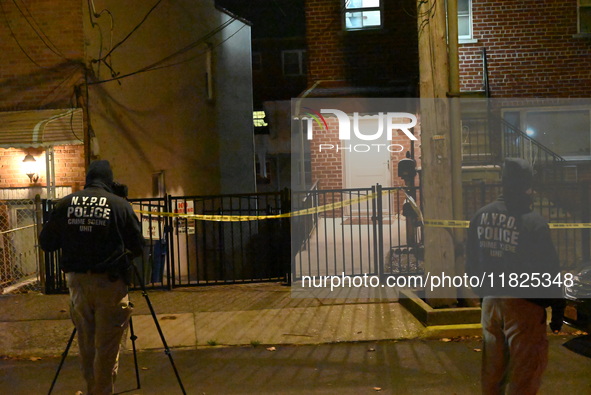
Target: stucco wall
[(162, 120)]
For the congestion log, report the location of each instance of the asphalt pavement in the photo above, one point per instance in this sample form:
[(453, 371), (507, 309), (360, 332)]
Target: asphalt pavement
[(448, 366), (260, 339)]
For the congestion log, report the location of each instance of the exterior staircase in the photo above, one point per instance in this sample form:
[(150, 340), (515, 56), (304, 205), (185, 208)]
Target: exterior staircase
[(487, 139)]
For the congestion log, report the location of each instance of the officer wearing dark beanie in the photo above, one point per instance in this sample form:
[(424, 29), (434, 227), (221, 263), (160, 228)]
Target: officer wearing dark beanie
[(507, 240), (97, 233)]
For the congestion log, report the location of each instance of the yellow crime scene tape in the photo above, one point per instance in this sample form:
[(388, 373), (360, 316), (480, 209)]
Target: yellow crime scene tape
[(567, 225), (239, 218), (465, 224), (439, 223), (442, 223)]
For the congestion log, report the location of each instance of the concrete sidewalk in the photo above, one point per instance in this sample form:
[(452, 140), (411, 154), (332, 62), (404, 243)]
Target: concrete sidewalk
[(244, 314)]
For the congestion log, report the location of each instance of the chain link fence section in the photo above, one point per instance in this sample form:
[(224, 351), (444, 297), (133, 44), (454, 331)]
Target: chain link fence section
[(19, 256)]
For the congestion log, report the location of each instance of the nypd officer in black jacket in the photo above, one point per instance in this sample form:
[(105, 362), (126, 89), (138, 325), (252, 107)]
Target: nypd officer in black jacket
[(97, 232), (509, 246)]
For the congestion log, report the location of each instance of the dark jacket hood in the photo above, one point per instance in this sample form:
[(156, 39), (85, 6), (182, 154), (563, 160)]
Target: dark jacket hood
[(99, 174), (517, 178)]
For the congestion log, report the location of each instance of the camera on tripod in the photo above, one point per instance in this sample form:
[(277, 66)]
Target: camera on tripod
[(119, 189)]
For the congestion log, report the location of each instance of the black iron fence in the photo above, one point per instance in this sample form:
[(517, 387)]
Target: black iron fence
[(184, 251), (249, 238), (373, 231), (359, 231), (235, 249)]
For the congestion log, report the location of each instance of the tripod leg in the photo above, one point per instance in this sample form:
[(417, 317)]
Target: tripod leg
[(133, 338), (164, 344), (64, 355)]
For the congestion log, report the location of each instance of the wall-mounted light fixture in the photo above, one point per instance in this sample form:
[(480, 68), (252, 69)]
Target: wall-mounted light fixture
[(30, 167)]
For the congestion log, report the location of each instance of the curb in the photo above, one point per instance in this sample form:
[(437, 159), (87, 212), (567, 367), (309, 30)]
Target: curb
[(433, 317)]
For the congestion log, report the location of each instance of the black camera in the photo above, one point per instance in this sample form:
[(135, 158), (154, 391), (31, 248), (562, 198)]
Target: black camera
[(119, 189)]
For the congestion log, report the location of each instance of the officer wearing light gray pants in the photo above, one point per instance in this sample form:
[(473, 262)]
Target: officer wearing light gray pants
[(97, 232)]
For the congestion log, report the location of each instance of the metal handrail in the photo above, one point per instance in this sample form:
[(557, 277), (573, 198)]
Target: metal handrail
[(537, 144)]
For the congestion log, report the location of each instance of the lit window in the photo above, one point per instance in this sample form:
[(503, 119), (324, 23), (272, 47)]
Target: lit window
[(362, 14), (464, 20), (294, 62), (258, 118), (585, 16)]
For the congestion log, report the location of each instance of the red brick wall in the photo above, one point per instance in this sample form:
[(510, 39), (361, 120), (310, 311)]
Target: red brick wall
[(327, 165), (362, 57), (69, 167), (530, 48), (44, 72), (41, 73)]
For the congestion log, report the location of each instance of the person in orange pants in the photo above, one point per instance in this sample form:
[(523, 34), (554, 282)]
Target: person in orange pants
[(508, 241)]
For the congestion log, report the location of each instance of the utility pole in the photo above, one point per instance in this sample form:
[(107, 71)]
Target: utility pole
[(436, 143)]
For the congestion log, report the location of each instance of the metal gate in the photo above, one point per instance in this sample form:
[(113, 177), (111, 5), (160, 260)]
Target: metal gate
[(19, 258), (240, 245), (253, 238), (183, 251), (281, 236), (354, 232)]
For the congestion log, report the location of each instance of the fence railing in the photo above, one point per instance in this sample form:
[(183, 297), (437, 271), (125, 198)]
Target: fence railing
[(352, 232), (368, 234), (303, 226), (155, 264), (358, 231), (19, 258), (488, 138)]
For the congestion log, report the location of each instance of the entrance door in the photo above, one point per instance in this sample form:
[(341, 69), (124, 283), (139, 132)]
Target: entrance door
[(367, 162)]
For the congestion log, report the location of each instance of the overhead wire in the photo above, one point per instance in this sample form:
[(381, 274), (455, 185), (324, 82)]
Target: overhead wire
[(132, 30), (38, 31), (427, 15), (66, 78), (196, 56), (16, 39), (158, 64), (93, 14)]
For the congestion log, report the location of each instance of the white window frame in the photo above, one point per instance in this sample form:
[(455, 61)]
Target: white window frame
[(348, 9), (301, 53), (466, 38)]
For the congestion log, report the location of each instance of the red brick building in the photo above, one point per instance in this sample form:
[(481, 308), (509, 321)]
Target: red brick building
[(534, 48), (534, 51), (359, 51), (42, 72)]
